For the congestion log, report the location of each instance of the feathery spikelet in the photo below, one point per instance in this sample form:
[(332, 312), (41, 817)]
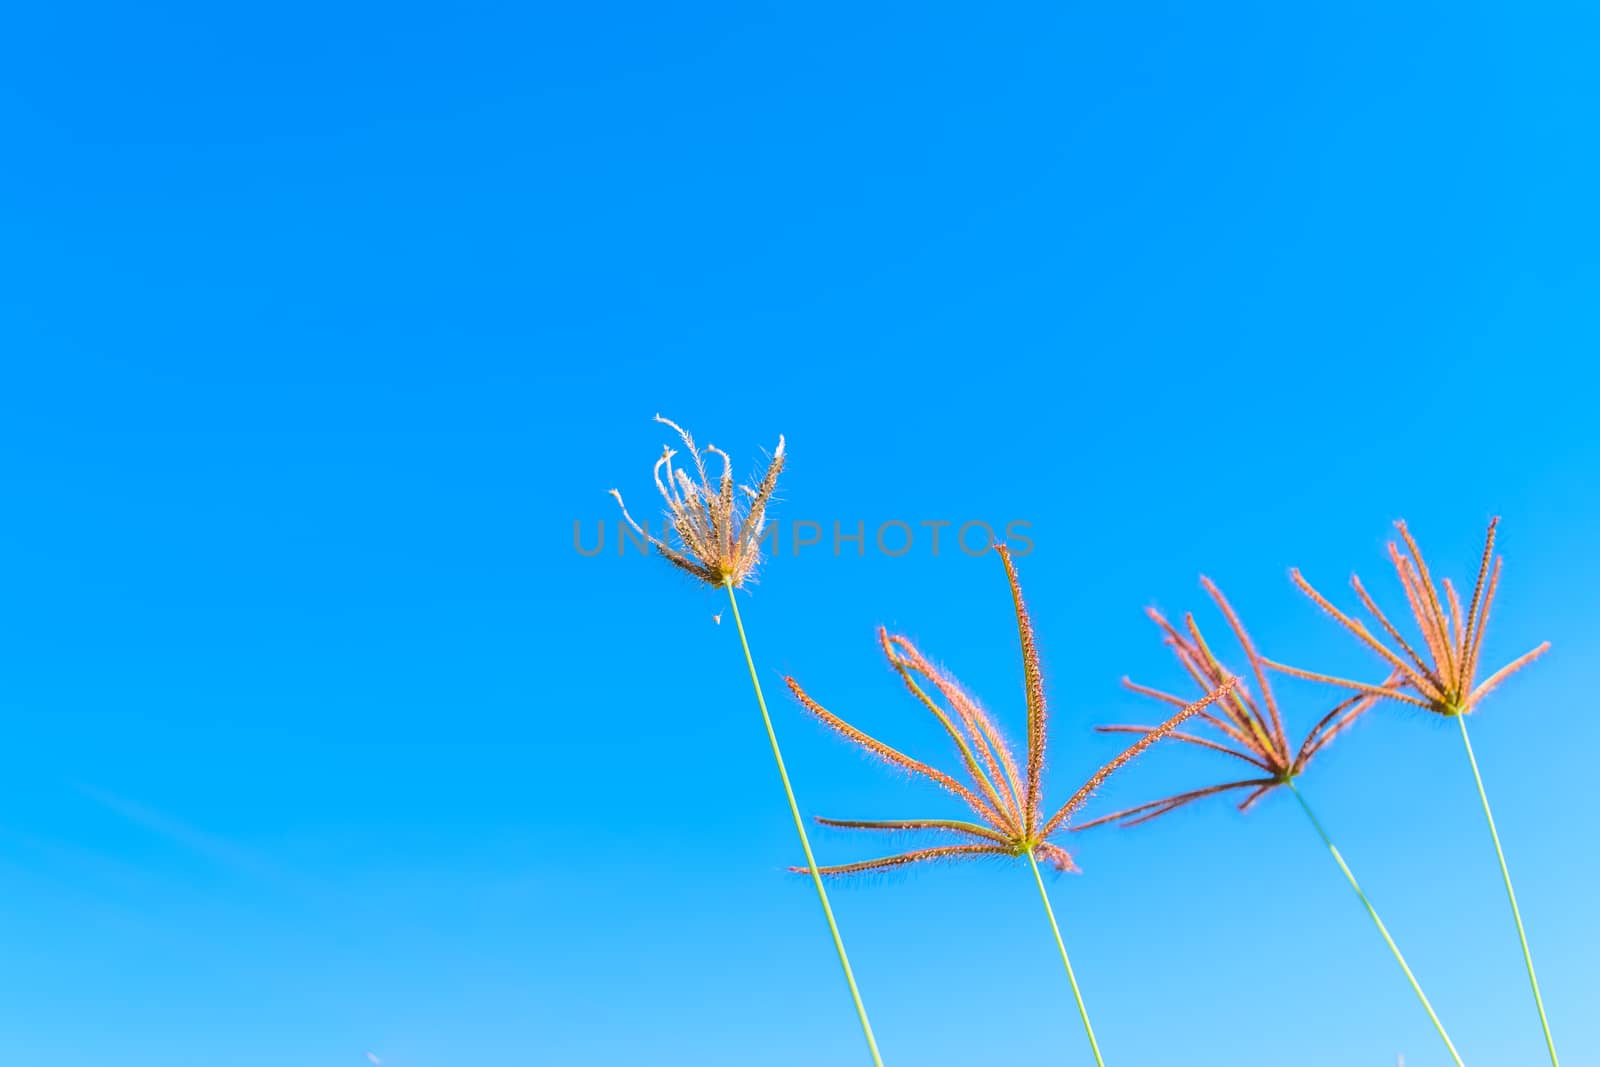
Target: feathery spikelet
[(1441, 681), (1009, 819), (1250, 727), (719, 536)]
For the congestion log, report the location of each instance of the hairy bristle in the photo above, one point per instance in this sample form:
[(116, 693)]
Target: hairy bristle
[(1467, 635), (921, 855), (1153, 809), (906, 659), (1483, 619), (1248, 647), (902, 825), (1193, 739), (1430, 617), (1371, 605), (1355, 628), (889, 755), (1494, 680), (1391, 692), (1033, 691)]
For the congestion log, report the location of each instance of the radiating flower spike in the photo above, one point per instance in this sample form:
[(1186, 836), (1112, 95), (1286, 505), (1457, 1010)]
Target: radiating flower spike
[(1007, 809), (896, 758), (1444, 681), (1251, 730), (1009, 821), (1250, 726), (718, 535), (1033, 690)]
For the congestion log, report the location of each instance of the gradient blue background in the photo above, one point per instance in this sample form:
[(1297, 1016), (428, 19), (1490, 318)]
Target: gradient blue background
[(322, 326)]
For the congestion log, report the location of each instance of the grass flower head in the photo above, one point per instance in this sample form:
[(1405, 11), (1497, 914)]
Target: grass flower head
[(1005, 797), (1441, 678), (1249, 727), (718, 534), (719, 542)]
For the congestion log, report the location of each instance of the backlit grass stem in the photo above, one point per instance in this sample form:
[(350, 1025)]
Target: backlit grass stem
[(1351, 878), (805, 843), (1077, 994), (1441, 677), (1511, 894), (1005, 800)]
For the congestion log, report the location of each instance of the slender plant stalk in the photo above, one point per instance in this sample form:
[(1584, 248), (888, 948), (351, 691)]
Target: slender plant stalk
[(1511, 894), (800, 828), (1077, 994), (1437, 1025)]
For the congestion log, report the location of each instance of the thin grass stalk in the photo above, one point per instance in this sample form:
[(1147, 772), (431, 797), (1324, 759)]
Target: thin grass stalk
[(1351, 878), (1077, 994), (805, 843), (1511, 894)]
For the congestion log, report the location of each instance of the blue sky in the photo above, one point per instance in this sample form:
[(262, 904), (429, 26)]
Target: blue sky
[(322, 327)]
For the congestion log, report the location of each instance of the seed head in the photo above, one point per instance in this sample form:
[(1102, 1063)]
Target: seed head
[(718, 535), (1010, 821), (1440, 681), (1247, 727)]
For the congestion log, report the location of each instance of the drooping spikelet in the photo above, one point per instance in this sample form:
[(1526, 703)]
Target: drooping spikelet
[(1010, 820), (718, 535), (1248, 727), (1442, 680)]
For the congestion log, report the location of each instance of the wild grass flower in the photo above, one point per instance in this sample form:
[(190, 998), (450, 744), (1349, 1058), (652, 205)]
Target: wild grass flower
[(1005, 799), (1251, 729), (718, 534), (1441, 681), (1444, 680), (719, 542)]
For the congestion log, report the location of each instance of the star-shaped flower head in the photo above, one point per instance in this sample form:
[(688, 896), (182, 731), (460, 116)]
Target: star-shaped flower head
[(1250, 728), (1007, 803), (1441, 681), (718, 535)]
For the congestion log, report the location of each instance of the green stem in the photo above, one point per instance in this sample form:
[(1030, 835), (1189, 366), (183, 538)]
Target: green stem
[(1511, 894), (1437, 1025), (1077, 994), (805, 843)]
